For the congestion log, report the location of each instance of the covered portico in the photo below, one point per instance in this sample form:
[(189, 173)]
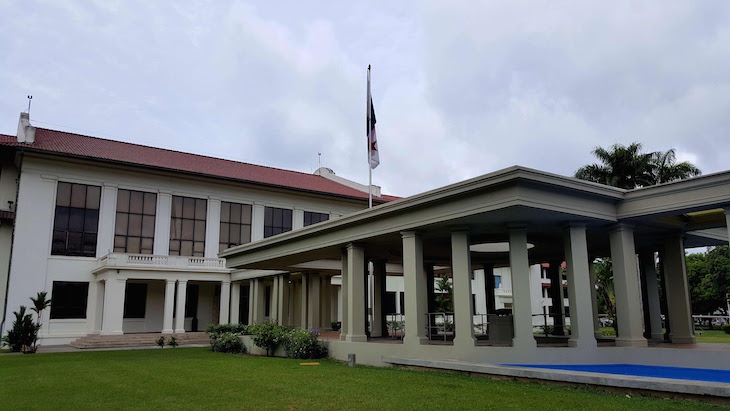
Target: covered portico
[(541, 218)]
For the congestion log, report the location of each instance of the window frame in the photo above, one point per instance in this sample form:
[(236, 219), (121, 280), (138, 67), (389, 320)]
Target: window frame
[(313, 215), (70, 210), (143, 215), (194, 219), (271, 215), (230, 224), (83, 303)]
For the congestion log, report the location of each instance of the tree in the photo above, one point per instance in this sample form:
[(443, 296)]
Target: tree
[(621, 166), (445, 295), (666, 168), (708, 277), (40, 303)]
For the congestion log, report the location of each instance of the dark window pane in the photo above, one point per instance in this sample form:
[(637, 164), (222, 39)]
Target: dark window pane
[(136, 202), (61, 220), (186, 248), (148, 226), (199, 231), (188, 208), (133, 245), (225, 212), (92, 221), (222, 247), (120, 241), (199, 247), (175, 247), (89, 245), (177, 206), (286, 219), (246, 214), (268, 216), (78, 195), (176, 229), (201, 207), (235, 213), (63, 194), (150, 203), (268, 232), (277, 218), (135, 225), (76, 220), (223, 237), (73, 243), (135, 300), (122, 201), (69, 299), (245, 234), (120, 225), (59, 242), (187, 229), (235, 234), (307, 218), (93, 197)]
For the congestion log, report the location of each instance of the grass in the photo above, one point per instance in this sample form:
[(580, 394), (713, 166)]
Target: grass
[(196, 378), (712, 336)]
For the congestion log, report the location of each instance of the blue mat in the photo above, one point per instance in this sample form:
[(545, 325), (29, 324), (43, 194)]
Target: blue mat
[(677, 373)]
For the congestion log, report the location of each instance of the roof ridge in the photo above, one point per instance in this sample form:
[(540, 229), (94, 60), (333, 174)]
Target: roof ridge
[(176, 151)]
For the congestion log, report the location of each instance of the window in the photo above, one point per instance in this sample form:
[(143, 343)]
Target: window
[(134, 228), (497, 281), (187, 226), (235, 225), (314, 218), (276, 221), (77, 220), (68, 299), (135, 300)]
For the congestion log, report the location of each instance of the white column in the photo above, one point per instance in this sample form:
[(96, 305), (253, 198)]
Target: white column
[(107, 214), (235, 302), (274, 310), (355, 294), (626, 287), (251, 301), (343, 288), (579, 287), (98, 311), (652, 306), (162, 223), (257, 222), (225, 302), (326, 304), (258, 300), (522, 304), (297, 219), (169, 307), (283, 309), (461, 270), (414, 286), (182, 295), (379, 275), (677, 289), (212, 228), (303, 296), (313, 301), (114, 290)]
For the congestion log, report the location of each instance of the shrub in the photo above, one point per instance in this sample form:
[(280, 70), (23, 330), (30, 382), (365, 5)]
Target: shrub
[(726, 328), (240, 329), (161, 342), (336, 325), (268, 335), (24, 333), (173, 342), (227, 342), (303, 344)]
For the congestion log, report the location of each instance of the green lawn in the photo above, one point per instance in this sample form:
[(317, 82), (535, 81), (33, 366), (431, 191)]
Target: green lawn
[(712, 336), (196, 378)]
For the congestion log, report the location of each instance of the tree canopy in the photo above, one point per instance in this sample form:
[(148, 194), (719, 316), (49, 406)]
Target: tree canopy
[(628, 167), (708, 275)]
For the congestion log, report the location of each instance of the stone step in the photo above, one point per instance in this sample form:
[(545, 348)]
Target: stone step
[(137, 340)]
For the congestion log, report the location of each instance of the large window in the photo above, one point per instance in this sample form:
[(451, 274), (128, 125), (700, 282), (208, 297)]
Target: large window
[(134, 230), (135, 300), (314, 218), (276, 221), (187, 226), (235, 225), (77, 220), (68, 299)]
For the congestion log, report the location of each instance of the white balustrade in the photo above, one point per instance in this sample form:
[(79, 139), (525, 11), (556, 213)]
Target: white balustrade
[(142, 261)]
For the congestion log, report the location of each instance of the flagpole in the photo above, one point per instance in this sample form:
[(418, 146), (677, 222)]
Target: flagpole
[(370, 145)]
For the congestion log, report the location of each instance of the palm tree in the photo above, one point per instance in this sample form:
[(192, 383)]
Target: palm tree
[(621, 166), (667, 169), (40, 303)]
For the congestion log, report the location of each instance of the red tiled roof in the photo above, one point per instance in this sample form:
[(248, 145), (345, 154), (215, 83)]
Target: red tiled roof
[(63, 143)]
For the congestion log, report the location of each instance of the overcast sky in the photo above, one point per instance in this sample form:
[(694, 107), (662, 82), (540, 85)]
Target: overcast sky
[(460, 88)]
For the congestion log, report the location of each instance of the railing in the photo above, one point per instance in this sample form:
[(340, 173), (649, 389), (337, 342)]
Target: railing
[(396, 325), (481, 325), (136, 261), (548, 327), (440, 325)]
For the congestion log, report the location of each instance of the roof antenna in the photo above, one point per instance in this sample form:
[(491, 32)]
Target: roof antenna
[(319, 158), (29, 100)]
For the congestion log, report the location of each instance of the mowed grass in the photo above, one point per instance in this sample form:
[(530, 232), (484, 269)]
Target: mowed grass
[(198, 379), (712, 336)]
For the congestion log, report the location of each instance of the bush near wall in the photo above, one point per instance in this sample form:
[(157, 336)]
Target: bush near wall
[(302, 344)]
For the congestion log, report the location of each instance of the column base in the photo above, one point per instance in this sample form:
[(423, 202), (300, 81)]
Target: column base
[(682, 340), (468, 342), (657, 336), (343, 337), (586, 343), (416, 340), (356, 338), (168, 331), (179, 331), (527, 343), (112, 333), (631, 342), (597, 334)]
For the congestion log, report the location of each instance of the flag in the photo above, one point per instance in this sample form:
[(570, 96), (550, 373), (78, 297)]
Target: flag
[(372, 138)]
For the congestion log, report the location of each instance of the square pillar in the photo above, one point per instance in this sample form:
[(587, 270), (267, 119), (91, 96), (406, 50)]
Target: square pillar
[(114, 290), (251, 302), (326, 303), (522, 304), (182, 295), (274, 309), (355, 294), (415, 289), (212, 228), (168, 312), (650, 296), (303, 304), (579, 287), (313, 302), (678, 297), (282, 311), (258, 300), (461, 270), (558, 297), (594, 299), (107, 211), (380, 326), (161, 244), (626, 287), (225, 303), (343, 290), (235, 302), (99, 307)]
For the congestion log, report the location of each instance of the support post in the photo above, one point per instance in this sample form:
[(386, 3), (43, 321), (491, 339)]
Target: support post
[(678, 297), (355, 294), (283, 309), (461, 270), (182, 295), (522, 303), (225, 302), (345, 282), (113, 316), (650, 296), (251, 302), (313, 312), (414, 287), (579, 287), (558, 297), (626, 287), (169, 307), (235, 302), (380, 327), (303, 296)]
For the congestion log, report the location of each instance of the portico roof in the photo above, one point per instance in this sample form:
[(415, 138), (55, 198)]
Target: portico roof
[(487, 205)]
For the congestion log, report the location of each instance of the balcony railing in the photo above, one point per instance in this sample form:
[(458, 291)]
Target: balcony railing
[(161, 262)]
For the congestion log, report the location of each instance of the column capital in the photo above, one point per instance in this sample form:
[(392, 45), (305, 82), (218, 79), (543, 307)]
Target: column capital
[(225, 283), (460, 229), (409, 234), (170, 281), (568, 225), (182, 281), (727, 211), (516, 226), (621, 226), (352, 246)]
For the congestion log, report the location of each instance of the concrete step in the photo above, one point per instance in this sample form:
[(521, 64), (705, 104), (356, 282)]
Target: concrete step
[(137, 340)]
